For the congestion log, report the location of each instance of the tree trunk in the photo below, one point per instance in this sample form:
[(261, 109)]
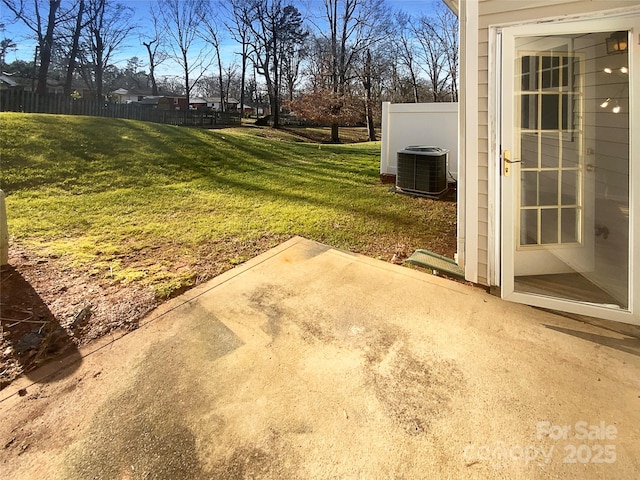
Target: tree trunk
[(187, 87), (99, 66), (367, 98), (45, 48), (335, 128), (74, 50), (414, 84), (335, 133), (152, 67), (276, 88), (243, 74)]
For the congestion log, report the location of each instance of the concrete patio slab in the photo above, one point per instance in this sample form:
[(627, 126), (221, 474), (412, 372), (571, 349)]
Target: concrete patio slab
[(308, 362)]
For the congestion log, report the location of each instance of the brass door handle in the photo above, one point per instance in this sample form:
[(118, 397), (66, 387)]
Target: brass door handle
[(506, 156)]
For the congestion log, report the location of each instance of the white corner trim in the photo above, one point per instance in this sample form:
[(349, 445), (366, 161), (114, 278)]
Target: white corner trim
[(494, 268), (469, 137)]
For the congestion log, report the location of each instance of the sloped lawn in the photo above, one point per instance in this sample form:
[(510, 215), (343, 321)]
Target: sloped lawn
[(129, 206)]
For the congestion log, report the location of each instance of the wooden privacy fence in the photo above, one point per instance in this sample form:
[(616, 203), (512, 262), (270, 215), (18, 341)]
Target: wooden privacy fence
[(28, 102)]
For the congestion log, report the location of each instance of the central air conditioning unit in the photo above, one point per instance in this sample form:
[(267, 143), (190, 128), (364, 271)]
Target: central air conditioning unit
[(422, 170)]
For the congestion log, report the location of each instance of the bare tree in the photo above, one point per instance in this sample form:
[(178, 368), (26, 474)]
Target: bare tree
[(171, 83), (230, 77), (238, 13), (292, 58), (212, 34), (317, 64), (447, 35), (354, 27), (368, 100), (181, 20), (275, 27), (75, 31), (153, 42), (438, 37), (42, 19), (406, 51), (109, 25)]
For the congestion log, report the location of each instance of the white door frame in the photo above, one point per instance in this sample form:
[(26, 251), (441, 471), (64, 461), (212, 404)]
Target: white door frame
[(503, 45)]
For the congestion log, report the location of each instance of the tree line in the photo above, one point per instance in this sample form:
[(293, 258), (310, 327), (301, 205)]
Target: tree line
[(333, 63)]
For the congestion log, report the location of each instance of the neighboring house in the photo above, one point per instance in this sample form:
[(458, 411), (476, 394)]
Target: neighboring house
[(120, 95), (198, 103), (213, 103), (549, 163), (131, 95), (232, 104), (55, 86), (247, 109), (8, 83), (263, 110), (135, 95), (159, 102)]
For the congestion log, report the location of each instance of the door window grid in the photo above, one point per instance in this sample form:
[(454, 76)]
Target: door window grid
[(551, 149)]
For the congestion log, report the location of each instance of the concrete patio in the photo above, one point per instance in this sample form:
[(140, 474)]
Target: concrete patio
[(312, 363)]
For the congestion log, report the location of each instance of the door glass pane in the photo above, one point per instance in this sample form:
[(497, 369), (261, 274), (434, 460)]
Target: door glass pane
[(529, 230), (529, 112), (549, 226), (549, 150), (572, 129), (529, 150), (529, 190), (550, 72), (569, 225), (570, 153), (566, 73), (548, 188), (550, 112), (529, 72), (569, 187), (567, 112)]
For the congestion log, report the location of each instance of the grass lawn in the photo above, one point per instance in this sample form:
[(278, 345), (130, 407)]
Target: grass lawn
[(166, 207)]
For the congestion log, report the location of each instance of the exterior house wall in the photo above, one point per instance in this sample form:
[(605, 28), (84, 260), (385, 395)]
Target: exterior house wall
[(476, 118), (404, 124)]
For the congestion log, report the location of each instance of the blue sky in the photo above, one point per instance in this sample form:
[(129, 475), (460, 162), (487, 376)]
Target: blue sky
[(25, 45)]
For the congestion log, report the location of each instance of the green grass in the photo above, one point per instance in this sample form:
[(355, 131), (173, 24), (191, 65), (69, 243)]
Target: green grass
[(169, 206)]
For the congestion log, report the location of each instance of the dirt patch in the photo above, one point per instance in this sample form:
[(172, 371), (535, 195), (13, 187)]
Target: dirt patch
[(49, 309)]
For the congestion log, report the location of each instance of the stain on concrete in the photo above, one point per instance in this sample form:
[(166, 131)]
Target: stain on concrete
[(268, 300), (271, 458), (140, 433), (214, 339), (414, 392), (143, 433), (314, 330), (245, 462)]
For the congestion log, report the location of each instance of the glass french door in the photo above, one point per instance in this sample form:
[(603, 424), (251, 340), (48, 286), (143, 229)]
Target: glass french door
[(566, 168)]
